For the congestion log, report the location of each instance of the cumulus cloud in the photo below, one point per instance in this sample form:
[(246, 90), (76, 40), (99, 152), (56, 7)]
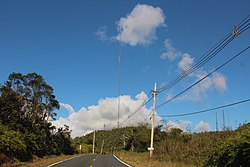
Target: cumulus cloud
[(183, 125), (139, 26), (104, 114), (170, 52), (217, 81), (68, 107), (185, 62), (202, 126)]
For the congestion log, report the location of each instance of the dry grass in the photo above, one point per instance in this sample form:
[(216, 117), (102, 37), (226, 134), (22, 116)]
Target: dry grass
[(143, 160), (38, 162)]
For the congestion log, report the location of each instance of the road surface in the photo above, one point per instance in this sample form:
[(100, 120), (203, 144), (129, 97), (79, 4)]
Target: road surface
[(91, 161)]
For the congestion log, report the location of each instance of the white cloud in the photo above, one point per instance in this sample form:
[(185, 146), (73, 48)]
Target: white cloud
[(139, 27), (102, 34), (185, 62), (216, 81), (105, 113), (219, 81), (202, 126), (68, 107), (170, 52), (183, 125)]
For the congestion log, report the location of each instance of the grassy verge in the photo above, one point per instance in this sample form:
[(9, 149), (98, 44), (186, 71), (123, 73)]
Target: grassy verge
[(142, 160), (39, 162)]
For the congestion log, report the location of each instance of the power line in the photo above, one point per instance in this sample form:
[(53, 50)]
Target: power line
[(210, 53), (221, 44), (138, 109), (201, 61), (207, 110), (203, 78), (145, 120)]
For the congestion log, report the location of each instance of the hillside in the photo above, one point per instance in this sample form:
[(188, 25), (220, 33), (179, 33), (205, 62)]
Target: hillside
[(224, 148)]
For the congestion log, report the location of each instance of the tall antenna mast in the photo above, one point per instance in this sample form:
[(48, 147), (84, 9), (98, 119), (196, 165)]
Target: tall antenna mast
[(217, 126), (229, 126), (223, 120), (119, 82)]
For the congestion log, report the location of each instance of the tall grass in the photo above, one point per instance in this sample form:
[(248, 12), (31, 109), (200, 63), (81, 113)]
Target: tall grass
[(136, 159)]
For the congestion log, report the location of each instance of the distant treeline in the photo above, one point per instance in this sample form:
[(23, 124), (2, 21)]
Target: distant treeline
[(27, 103), (224, 148)]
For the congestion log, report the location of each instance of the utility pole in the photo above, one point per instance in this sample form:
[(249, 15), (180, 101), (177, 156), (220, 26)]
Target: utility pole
[(93, 151), (102, 146), (151, 149)]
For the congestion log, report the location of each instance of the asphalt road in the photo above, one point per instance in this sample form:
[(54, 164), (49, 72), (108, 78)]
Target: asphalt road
[(91, 161)]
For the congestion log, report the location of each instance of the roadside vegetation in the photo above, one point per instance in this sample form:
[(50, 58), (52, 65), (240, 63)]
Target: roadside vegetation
[(137, 159), (38, 162), (173, 147), (27, 103)]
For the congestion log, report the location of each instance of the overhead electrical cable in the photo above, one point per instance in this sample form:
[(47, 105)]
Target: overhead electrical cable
[(220, 45), (138, 109), (243, 26), (146, 119), (207, 110), (203, 78)]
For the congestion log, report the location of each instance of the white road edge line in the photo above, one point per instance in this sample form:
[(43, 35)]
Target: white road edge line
[(63, 161), (122, 161)]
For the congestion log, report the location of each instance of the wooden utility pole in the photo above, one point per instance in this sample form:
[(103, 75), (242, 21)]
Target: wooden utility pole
[(102, 146), (151, 149), (93, 151)]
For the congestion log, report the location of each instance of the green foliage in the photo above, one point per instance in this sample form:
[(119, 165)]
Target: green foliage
[(225, 148), (128, 138), (186, 147), (235, 151), (26, 103), (12, 143), (85, 148), (63, 140)]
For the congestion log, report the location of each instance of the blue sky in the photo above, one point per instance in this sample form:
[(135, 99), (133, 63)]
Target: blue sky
[(75, 45)]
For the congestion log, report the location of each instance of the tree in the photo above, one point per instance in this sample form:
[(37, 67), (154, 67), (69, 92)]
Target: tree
[(26, 104), (11, 103), (63, 139), (12, 143), (37, 95), (235, 151)]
